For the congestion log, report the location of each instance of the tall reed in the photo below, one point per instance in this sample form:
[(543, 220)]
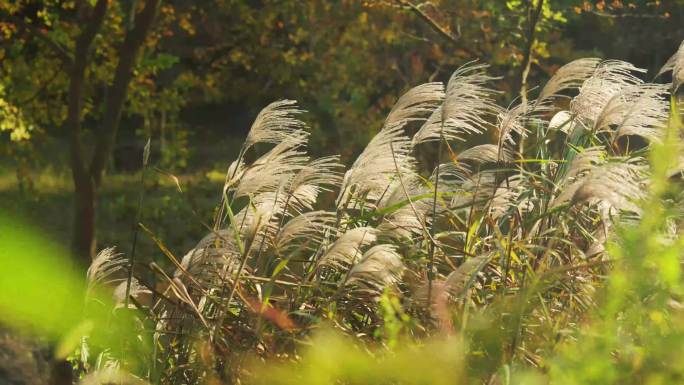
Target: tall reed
[(486, 230)]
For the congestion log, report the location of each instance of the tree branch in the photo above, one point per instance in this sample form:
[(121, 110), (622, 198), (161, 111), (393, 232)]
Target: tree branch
[(41, 35), (41, 89), (434, 25), (533, 20), (627, 15)]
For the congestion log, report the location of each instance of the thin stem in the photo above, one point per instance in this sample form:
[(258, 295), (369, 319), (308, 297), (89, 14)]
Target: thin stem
[(244, 251), (431, 257), (138, 218), (405, 191), (218, 221)]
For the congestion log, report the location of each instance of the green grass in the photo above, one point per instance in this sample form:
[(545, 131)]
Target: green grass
[(173, 216)]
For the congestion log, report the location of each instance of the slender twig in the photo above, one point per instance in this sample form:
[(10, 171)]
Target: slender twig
[(628, 15), (444, 32)]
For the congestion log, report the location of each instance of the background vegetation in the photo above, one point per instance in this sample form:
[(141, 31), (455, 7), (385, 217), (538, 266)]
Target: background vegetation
[(208, 68), (524, 223)]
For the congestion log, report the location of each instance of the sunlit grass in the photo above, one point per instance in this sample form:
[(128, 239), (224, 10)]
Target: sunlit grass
[(550, 256)]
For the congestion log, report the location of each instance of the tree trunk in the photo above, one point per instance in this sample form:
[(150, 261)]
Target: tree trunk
[(88, 179), (116, 95), (83, 237), (85, 198), (83, 230)]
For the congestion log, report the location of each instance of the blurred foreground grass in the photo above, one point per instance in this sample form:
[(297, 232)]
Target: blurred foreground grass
[(44, 295)]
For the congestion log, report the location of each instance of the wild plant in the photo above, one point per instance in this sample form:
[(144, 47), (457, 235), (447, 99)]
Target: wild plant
[(460, 214)]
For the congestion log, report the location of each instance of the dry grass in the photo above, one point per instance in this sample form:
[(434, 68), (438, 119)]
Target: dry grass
[(514, 229)]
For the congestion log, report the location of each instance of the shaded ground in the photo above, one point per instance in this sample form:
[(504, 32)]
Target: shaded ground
[(22, 361)]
